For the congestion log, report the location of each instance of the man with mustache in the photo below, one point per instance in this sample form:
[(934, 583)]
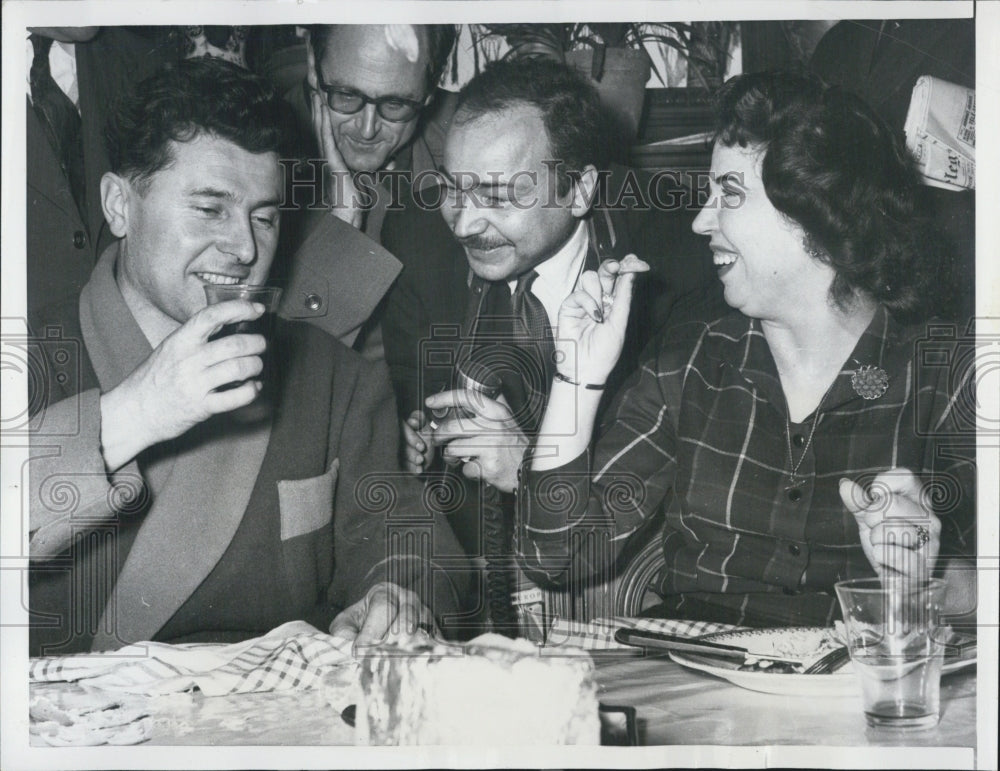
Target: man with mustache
[(529, 202), (528, 187), (160, 508)]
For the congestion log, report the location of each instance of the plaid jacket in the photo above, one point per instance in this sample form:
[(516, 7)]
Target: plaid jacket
[(702, 428)]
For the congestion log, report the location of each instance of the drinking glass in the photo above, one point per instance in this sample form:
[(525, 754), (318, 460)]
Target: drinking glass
[(896, 641), (269, 297)]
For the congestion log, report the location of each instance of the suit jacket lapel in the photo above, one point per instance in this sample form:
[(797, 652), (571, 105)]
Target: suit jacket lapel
[(187, 530), (44, 175), (93, 110), (115, 344), (199, 492)]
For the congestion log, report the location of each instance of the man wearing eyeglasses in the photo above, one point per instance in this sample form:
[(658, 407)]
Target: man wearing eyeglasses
[(369, 98), (369, 85)]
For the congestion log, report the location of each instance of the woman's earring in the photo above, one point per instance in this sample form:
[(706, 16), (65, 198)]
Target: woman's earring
[(811, 249)]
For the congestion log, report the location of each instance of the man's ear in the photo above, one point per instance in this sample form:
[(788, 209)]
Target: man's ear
[(584, 190), (115, 194)]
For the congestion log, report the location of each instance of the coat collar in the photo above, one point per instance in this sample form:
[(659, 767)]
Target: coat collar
[(192, 518), (115, 343)]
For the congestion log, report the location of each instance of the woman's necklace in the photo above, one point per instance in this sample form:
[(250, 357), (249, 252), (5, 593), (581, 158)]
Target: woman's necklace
[(793, 480), (868, 381)]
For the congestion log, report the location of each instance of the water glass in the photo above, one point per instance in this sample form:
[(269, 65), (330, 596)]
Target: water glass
[(896, 641), (269, 297)]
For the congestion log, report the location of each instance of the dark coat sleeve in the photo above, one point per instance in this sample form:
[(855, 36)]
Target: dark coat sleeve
[(427, 302), (382, 529)]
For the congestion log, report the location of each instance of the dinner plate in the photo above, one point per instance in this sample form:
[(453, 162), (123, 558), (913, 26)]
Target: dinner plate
[(794, 641)]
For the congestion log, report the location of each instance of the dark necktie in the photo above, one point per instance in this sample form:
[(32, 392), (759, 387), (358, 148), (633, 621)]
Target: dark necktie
[(59, 116), (513, 340), (533, 335)]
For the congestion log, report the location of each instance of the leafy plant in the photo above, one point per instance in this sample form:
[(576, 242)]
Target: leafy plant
[(554, 40)]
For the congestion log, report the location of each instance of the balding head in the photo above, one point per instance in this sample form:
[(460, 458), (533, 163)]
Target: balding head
[(435, 42), (361, 66)]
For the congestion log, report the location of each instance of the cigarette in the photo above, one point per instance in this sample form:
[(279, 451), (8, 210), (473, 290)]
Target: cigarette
[(631, 264)]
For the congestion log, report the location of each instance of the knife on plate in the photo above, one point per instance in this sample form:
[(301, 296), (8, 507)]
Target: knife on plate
[(670, 642)]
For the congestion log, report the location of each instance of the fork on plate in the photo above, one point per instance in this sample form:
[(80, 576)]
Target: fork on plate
[(828, 663)]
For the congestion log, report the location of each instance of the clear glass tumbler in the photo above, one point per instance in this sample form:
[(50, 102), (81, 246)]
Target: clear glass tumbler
[(896, 642)]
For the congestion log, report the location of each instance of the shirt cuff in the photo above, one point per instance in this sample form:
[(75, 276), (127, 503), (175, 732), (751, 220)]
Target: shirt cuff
[(550, 500)]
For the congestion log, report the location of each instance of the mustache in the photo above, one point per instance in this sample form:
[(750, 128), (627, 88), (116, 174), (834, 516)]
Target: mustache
[(482, 243)]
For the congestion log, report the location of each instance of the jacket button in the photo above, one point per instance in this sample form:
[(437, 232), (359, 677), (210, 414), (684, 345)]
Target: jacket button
[(79, 239), (795, 495), (798, 440), (794, 549), (314, 302)]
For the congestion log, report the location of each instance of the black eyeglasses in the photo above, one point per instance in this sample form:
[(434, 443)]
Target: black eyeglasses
[(347, 101)]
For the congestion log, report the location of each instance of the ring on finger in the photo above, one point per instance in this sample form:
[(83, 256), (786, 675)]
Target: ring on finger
[(923, 536), (607, 300)]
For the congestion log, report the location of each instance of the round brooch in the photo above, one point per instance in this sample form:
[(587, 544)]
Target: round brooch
[(869, 382)]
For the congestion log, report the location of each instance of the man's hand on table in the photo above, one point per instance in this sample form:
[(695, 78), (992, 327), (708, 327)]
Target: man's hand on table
[(386, 614), (173, 390), (482, 433)]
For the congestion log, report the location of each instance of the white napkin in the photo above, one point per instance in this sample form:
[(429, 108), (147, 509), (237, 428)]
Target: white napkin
[(292, 656)]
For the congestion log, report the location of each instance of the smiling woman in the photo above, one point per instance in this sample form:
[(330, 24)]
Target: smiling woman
[(758, 250), (786, 440)]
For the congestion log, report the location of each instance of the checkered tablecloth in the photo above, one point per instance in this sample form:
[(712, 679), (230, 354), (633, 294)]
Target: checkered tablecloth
[(599, 634), (292, 656)]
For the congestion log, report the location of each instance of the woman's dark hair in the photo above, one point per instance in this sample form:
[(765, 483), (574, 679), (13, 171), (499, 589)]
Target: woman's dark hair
[(189, 98), (571, 109), (833, 166)]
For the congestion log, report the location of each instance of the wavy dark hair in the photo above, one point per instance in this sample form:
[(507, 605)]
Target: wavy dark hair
[(571, 109), (188, 98), (834, 167), (438, 38)]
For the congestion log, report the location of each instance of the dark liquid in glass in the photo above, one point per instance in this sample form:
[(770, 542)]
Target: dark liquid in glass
[(264, 325)]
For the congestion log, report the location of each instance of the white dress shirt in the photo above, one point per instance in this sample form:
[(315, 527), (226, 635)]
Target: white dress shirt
[(558, 275)]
